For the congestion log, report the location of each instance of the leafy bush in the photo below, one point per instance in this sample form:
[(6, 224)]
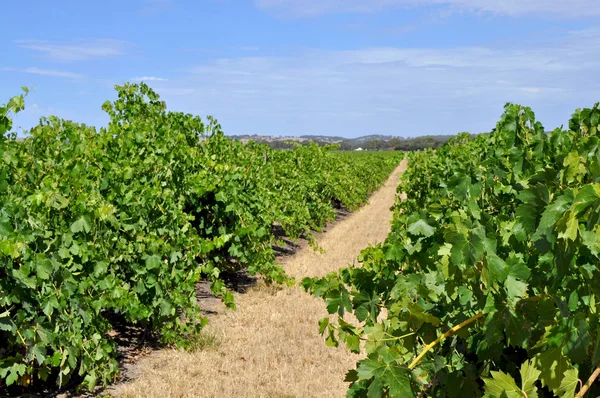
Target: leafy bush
[(487, 283), (127, 219)]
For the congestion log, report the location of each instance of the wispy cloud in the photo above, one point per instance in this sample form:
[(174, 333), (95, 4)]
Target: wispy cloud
[(75, 51), (307, 8), (153, 7), (422, 90), (176, 91), (46, 72), (55, 73), (148, 79)]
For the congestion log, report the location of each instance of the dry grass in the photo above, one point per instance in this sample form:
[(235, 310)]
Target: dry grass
[(270, 346)]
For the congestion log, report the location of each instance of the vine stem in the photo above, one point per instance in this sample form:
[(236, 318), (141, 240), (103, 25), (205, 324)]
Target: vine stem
[(442, 337), (588, 383)]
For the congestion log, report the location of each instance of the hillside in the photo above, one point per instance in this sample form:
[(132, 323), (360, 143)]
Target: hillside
[(367, 142)]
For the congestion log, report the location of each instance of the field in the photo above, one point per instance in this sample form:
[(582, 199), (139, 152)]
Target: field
[(270, 346), (482, 285), (124, 221)]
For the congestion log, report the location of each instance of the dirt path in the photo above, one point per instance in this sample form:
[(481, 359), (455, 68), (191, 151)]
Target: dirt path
[(270, 346)]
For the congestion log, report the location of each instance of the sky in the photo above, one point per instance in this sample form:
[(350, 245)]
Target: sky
[(292, 67)]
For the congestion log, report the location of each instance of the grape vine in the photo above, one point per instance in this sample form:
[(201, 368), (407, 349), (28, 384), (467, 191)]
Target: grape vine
[(486, 284), (126, 219)]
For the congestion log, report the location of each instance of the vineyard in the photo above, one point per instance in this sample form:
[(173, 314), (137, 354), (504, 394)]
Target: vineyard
[(125, 220), (486, 285)]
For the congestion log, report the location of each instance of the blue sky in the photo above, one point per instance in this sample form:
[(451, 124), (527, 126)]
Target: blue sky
[(291, 67)]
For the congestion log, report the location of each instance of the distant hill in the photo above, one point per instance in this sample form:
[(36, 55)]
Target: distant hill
[(367, 142), (322, 138), (372, 137)]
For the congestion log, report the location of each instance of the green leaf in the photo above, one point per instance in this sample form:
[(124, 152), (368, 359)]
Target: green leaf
[(153, 262), (515, 289), (552, 365), (338, 301), (461, 185), (529, 375), (90, 381), (386, 375), (594, 118), (376, 389), (421, 227), (587, 196), (502, 385), (43, 267), (351, 376), (166, 308), (397, 378), (591, 241), (497, 269), (551, 215), (578, 342), (516, 327), (220, 196), (64, 252), (571, 227), (465, 295), (323, 324), (353, 343), (9, 248), (100, 268), (7, 324), (418, 316), (16, 370), (573, 166), (568, 384), (39, 353), (526, 214), (518, 269), (83, 223), (6, 227), (370, 367), (24, 279), (57, 201)]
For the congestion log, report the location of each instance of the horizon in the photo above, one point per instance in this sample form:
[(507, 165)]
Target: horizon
[(402, 68), (408, 137)]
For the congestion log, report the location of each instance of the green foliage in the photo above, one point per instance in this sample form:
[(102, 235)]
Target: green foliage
[(127, 219), (504, 227)]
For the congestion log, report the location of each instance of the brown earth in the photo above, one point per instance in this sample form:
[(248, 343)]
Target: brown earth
[(270, 346)]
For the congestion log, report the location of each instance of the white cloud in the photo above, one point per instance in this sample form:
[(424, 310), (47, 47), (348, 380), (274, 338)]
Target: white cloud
[(55, 73), (531, 90), (46, 72), (149, 79), (75, 51), (561, 8), (420, 91)]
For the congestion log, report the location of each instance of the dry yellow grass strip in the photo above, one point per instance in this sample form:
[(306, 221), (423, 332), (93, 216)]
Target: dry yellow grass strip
[(270, 346)]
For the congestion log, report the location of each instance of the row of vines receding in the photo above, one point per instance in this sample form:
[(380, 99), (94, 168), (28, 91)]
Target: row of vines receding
[(126, 219), (488, 283)]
